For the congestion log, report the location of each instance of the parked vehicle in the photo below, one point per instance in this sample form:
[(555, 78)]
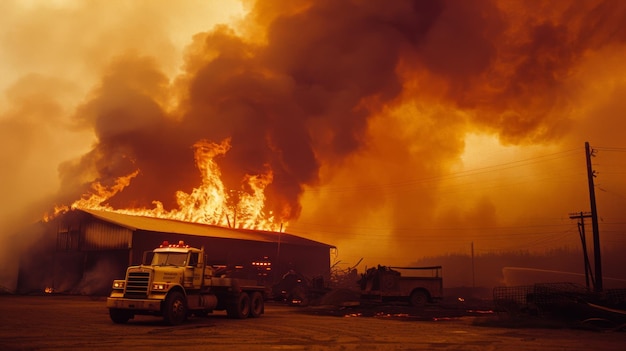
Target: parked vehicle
[(176, 282), (415, 285)]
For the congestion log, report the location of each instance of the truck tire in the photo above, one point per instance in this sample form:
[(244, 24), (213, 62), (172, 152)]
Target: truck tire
[(175, 308), (418, 298), (119, 316), (239, 308), (256, 304)]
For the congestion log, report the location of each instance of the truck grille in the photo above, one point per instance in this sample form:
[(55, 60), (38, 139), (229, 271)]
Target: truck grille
[(137, 285)]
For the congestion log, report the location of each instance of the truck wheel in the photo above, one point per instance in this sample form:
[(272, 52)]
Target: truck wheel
[(418, 298), (174, 308), (256, 304), (119, 316), (239, 308)]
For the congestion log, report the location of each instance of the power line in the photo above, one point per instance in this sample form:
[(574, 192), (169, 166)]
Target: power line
[(496, 233), (612, 149), (449, 176), (542, 235)]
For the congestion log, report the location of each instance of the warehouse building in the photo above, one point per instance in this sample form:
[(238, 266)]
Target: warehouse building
[(82, 251)]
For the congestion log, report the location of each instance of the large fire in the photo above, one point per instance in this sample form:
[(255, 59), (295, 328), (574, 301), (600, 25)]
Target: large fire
[(209, 203)]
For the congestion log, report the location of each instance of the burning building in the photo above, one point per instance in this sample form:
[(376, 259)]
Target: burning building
[(82, 251), (395, 129)]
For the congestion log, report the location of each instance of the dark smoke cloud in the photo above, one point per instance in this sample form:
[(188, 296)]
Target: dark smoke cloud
[(318, 67), (303, 97), (134, 132), (348, 102), (525, 93)]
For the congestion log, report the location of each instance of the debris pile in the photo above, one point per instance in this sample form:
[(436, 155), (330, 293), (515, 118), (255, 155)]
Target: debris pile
[(563, 301)]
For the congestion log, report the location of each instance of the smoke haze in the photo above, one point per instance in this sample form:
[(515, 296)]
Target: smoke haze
[(393, 130)]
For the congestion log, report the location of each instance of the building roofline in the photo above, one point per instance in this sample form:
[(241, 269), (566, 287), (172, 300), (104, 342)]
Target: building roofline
[(163, 225)]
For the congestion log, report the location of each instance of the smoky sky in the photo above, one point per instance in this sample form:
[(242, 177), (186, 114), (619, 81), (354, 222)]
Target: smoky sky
[(318, 67), (334, 92), (304, 96)]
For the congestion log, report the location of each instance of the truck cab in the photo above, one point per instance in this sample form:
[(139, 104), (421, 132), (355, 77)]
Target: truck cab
[(175, 281), (169, 266), (180, 260)]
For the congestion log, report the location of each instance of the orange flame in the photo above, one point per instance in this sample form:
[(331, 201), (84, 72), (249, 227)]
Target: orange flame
[(209, 203), (102, 193)]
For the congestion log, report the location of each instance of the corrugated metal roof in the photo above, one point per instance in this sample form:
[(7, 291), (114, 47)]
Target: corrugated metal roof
[(179, 227)]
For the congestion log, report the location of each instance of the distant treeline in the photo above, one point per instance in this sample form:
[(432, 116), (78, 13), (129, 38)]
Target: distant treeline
[(486, 270)]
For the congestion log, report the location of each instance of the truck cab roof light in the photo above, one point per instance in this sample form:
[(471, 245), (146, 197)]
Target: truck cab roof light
[(166, 243)]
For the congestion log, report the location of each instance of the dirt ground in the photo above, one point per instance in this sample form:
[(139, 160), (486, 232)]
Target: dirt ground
[(53, 322)]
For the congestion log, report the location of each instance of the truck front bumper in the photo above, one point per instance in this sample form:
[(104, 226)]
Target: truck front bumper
[(134, 304)]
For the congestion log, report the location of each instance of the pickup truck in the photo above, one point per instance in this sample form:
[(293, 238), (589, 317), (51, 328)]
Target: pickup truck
[(415, 285)]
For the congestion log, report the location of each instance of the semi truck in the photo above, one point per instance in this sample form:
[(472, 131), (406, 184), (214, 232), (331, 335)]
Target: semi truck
[(415, 285), (174, 281)]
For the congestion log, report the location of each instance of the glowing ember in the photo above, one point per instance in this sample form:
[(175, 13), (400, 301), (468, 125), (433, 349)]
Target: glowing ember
[(209, 203)]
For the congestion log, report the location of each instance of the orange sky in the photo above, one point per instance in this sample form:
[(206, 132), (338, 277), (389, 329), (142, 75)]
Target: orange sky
[(394, 130)]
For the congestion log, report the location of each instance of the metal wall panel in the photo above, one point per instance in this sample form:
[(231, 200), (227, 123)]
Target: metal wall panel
[(99, 235)]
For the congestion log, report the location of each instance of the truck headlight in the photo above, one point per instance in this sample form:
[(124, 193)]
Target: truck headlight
[(160, 286), (119, 284)]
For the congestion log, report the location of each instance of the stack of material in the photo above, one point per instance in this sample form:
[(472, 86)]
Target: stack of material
[(567, 301)]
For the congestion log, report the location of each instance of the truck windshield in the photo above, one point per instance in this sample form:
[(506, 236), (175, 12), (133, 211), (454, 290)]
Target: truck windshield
[(169, 258)]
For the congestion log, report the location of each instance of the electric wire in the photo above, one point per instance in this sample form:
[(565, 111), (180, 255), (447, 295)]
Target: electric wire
[(545, 237)]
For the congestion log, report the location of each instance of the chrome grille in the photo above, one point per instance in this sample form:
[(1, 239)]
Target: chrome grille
[(137, 285)]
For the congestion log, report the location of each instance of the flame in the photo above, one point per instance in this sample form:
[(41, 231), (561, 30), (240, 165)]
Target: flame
[(102, 193), (209, 203)]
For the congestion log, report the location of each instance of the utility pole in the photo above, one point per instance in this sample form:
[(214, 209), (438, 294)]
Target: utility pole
[(581, 230), (594, 221), (473, 269)]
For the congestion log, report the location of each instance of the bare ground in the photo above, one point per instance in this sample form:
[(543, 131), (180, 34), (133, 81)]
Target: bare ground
[(53, 322)]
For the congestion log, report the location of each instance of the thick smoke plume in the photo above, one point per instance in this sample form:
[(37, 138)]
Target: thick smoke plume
[(301, 97), (364, 111)]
